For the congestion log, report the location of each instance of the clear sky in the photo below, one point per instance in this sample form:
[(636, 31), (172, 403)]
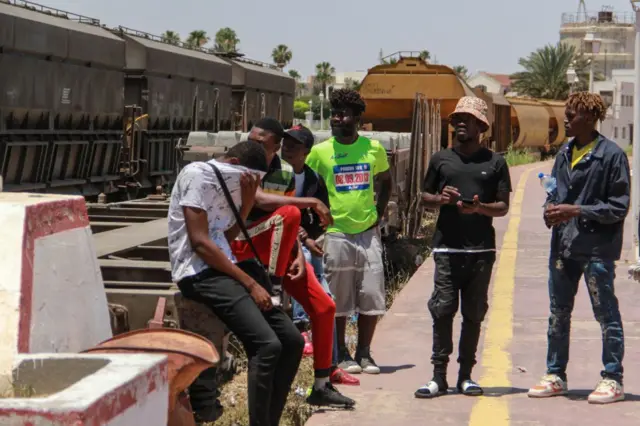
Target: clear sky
[(489, 35)]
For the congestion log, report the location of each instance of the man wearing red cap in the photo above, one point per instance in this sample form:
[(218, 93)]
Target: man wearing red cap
[(470, 185)]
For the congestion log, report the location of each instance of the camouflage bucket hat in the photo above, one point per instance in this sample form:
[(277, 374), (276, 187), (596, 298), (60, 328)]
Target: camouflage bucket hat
[(474, 106)]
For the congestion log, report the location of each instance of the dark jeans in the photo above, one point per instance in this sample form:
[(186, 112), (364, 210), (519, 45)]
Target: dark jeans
[(272, 343), (564, 277), (466, 277)]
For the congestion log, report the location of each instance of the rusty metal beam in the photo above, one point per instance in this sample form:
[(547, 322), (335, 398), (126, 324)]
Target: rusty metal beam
[(151, 213), (111, 218), (154, 253), (128, 270), (119, 240), (99, 227)]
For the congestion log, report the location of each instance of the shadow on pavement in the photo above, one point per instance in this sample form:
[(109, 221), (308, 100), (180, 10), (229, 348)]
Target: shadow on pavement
[(582, 395), (389, 369), (498, 392)]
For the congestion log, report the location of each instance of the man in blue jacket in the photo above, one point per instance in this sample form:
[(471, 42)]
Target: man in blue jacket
[(586, 214)]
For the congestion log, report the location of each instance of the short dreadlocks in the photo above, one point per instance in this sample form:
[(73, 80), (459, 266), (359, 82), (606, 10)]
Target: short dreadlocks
[(347, 98), (588, 102)]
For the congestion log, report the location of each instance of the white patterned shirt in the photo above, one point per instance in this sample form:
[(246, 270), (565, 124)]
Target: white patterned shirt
[(197, 186)]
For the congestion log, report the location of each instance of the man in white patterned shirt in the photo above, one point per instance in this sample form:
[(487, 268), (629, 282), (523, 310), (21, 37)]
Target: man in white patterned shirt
[(201, 224)]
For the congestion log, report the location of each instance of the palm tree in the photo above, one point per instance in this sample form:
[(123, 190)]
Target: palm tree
[(171, 37), (425, 55), (227, 40), (384, 61), (295, 75), (325, 75), (462, 72), (197, 39), (281, 56), (545, 72), (352, 84)]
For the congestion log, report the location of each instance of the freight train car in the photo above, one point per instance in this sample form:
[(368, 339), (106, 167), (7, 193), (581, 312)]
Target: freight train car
[(88, 110), (390, 89), (61, 101), (177, 90), (260, 90)]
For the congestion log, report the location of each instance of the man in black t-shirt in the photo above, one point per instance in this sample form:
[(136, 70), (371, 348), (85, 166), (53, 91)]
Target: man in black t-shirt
[(470, 185)]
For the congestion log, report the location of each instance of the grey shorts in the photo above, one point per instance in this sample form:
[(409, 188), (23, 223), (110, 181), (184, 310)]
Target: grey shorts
[(354, 269)]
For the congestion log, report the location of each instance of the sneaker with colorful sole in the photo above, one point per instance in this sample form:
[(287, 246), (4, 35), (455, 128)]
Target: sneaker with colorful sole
[(550, 385)]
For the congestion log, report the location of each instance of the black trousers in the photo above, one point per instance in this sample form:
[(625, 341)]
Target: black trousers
[(272, 343), (465, 278)]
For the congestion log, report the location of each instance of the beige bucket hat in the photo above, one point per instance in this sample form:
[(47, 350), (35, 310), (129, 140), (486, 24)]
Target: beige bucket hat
[(474, 106)]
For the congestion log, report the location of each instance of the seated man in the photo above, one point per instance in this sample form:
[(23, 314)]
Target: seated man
[(201, 224), (308, 184), (273, 227)]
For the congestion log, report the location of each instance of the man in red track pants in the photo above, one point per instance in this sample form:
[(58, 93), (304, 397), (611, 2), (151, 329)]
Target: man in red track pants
[(273, 227)]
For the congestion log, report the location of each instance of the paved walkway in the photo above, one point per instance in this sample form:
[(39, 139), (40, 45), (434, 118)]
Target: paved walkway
[(512, 353)]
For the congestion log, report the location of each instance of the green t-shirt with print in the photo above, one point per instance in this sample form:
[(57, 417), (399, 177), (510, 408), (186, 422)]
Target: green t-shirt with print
[(348, 171)]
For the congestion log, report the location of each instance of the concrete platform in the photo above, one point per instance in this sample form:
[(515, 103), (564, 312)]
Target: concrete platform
[(85, 389), (513, 346)]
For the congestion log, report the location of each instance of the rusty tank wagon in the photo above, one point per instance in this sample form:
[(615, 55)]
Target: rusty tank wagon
[(390, 89)]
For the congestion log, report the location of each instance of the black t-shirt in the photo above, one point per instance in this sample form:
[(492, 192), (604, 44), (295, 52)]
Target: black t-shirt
[(484, 174)]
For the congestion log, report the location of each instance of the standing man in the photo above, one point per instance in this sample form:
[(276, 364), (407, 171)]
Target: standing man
[(586, 215), (353, 263), (201, 224), (309, 184), (470, 185)]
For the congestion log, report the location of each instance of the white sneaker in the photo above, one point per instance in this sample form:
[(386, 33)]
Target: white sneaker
[(550, 385), (607, 391)]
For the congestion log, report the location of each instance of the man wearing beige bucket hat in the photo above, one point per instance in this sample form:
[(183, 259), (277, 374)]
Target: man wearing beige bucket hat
[(470, 185)]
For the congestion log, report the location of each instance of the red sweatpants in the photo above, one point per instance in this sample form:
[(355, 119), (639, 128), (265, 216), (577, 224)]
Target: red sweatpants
[(274, 238)]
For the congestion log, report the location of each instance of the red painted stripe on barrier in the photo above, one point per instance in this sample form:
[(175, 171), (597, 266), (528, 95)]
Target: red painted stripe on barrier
[(106, 408), (41, 220)]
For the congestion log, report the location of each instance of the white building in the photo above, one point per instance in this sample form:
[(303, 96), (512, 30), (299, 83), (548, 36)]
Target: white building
[(615, 30), (340, 80), (492, 83), (618, 93)]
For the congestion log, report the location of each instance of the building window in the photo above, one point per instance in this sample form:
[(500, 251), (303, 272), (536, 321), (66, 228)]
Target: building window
[(615, 133), (624, 133)]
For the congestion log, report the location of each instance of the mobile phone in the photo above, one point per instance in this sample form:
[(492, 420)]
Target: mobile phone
[(467, 201)]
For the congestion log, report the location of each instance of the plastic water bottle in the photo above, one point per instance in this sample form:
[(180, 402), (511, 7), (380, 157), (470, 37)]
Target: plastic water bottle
[(548, 182)]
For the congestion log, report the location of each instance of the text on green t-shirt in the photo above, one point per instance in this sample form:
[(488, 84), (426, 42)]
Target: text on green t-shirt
[(348, 171)]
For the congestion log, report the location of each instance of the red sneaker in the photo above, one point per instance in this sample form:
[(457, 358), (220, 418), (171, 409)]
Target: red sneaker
[(308, 345), (341, 377)]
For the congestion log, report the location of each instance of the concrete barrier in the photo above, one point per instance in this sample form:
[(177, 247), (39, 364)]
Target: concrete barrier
[(52, 296), (84, 389)]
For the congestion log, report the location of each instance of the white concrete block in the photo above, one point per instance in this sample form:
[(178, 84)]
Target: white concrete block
[(84, 389), (52, 296)]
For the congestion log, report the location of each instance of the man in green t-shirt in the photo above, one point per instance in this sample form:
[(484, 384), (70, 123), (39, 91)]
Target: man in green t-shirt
[(353, 263)]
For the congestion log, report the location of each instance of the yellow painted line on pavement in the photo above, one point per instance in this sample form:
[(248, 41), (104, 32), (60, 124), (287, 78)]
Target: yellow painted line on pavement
[(496, 358)]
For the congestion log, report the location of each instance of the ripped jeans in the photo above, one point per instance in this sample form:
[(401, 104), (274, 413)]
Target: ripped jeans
[(564, 278)]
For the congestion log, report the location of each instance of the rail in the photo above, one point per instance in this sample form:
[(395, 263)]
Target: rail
[(240, 58), (604, 17), (160, 39), (52, 11), (403, 54)]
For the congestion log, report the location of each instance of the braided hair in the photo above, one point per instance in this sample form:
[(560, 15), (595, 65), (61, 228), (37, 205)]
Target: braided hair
[(591, 103)]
